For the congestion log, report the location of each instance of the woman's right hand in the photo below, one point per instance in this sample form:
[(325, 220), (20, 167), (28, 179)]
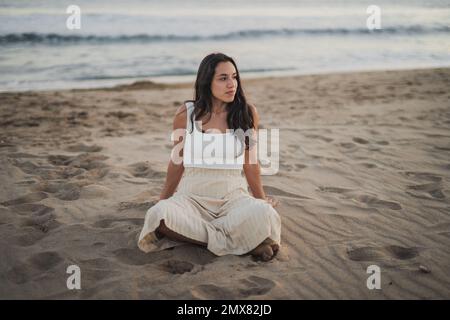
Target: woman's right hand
[(272, 201)]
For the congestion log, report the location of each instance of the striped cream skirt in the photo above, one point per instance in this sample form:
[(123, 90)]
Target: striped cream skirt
[(212, 206)]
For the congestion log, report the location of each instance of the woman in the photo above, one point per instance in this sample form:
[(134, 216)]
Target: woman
[(212, 206)]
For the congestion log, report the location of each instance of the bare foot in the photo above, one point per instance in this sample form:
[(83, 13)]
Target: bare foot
[(158, 234), (263, 252), (275, 247)]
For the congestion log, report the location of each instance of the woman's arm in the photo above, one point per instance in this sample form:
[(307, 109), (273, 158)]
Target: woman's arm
[(253, 170), (175, 171)]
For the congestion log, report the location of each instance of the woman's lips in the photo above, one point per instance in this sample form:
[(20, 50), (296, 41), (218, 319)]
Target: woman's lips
[(230, 93)]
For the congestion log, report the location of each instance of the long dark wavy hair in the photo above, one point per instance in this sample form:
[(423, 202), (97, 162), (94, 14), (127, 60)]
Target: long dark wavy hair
[(240, 115)]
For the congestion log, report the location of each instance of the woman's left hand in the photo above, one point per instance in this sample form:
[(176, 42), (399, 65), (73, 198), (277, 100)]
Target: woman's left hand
[(272, 201)]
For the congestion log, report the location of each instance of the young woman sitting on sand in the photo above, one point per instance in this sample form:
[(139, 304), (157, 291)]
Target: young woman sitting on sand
[(212, 206)]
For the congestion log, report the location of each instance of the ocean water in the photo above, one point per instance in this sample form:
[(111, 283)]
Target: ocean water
[(126, 41)]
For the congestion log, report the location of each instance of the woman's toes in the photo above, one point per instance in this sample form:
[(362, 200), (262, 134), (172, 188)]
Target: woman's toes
[(263, 252), (267, 256), (275, 248)]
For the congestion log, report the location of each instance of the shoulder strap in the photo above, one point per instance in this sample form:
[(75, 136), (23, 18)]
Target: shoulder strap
[(189, 109)]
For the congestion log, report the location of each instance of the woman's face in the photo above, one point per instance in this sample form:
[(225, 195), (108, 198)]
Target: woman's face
[(224, 83)]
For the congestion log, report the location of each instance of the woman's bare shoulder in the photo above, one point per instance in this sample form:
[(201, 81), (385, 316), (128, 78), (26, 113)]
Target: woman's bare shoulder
[(253, 108), (255, 115), (180, 118), (181, 109)]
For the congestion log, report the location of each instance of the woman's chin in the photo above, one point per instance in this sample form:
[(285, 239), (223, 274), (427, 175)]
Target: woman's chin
[(229, 99)]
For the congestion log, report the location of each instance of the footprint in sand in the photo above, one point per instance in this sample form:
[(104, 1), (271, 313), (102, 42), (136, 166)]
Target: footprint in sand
[(135, 257), (80, 147), (98, 244), (368, 165), (36, 220), (423, 176), (270, 190), (61, 190), (424, 191), (194, 254), (20, 155), (95, 191), (85, 161), (35, 168), (60, 160), (62, 173), (255, 286), (442, 148), (433, 189), (26, 182), (441, 228), (299, 166), (31, 197), (89, 161), (34, 266), (144, 170), (43, 223), (139, 182), (348, 145), (319, 137), (178, 266), (26, 123), (212, 292), (45, 261), (360, 140), (113, 222), (382, 253), (36, 209), (190, 259), (68, 191), (94, 174), (334, 189), (402, 253), (120, 115), (100, 263), (28, 236), (374, 202), (141, 206), (20, 274)]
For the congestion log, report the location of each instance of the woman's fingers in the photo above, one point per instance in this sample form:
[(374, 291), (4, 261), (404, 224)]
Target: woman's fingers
[(272, 201)]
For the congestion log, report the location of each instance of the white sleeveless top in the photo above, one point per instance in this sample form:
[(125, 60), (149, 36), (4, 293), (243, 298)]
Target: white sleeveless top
[(211, 150)]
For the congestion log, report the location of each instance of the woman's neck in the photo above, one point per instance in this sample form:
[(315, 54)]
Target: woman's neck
[(218, 106)]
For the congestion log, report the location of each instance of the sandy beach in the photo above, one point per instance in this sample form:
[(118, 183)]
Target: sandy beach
[(364, 179)]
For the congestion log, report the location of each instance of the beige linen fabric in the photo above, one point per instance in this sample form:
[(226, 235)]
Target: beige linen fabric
[(212, 206)]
